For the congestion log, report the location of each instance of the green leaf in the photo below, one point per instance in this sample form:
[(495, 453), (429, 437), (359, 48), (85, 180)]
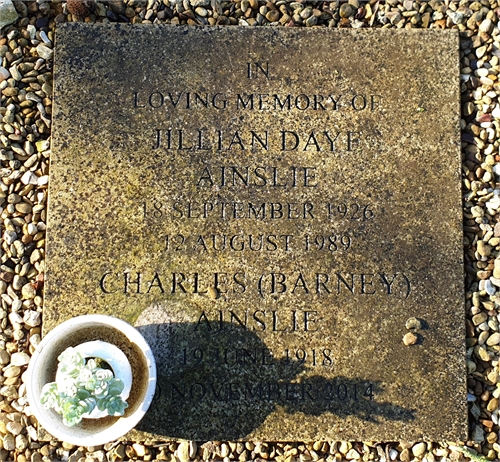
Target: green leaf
[(82, 394)]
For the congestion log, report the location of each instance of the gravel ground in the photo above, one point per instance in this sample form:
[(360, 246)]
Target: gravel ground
[(25, 112)]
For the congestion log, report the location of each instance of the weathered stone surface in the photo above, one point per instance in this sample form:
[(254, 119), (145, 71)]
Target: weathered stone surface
[(270, 206)]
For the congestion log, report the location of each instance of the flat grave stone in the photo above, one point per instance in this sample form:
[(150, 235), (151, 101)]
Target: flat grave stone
[(279, 210)]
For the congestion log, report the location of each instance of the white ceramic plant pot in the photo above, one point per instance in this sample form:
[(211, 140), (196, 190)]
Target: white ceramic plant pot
[(81, 330)]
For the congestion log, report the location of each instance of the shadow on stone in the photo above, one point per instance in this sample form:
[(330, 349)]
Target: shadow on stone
[(425, 324), (222, 383)]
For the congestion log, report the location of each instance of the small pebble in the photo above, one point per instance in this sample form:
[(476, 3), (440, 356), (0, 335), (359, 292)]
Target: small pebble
[(182, 452), (12, 371), (4, 74), (272, 15), (42, 23), (28, 291), (419, 449), (15, 428), (9, 442), (410, 339), (44, 52), (32, 318), (413, 323), (346, 10), (19, 359), (21, 442), (494, 339)]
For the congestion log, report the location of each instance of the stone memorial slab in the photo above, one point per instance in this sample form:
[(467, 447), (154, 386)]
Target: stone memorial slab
[(279, 210)]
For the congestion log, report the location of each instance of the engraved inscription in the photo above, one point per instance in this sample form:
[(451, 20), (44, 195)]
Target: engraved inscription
[(285, 140), (321, 284), (257, 69), (282, 193), (192, 100), (257, 243), (329, 392), (157, 208), (276, 177), (230, 210)]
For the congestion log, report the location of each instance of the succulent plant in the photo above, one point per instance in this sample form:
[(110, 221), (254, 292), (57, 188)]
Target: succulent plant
[(81, 386)]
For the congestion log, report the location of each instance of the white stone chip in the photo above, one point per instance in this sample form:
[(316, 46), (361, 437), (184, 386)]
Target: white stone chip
[(32, 433), (496, 169), (495, 281), (32, 318), (29, 178), (477, 211), (494, 203), (195, 3), (193, 449), (31, 30), (489, 287), (9, 236), (42, 180), (353, 455), (496, 112), (44, 52), (4, 74), (19, 359), (35, 340), (182, 452), (15, 318), (486, 26), (28, 291), (44, 37)]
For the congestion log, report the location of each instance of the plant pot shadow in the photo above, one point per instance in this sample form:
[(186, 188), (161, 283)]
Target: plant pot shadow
[(223, 384)]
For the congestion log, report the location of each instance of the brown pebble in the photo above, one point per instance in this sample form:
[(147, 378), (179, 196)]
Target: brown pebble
[(213, 293), (7, 277), (26, 239), (10, 91), (273, 15), (81, 8), (483, 274), (492, 437)]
